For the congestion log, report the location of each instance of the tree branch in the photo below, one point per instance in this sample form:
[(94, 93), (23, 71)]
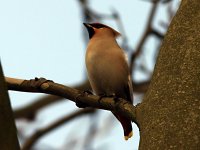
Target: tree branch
[(41, 132), (145, 35), (157, 34), (29, 111), (41, 85)]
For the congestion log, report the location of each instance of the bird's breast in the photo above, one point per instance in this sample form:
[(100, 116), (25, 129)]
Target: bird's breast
[(107, 70)]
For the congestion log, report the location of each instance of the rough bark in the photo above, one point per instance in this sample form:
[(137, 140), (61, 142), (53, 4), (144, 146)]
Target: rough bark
[(169, 116), (8, 136)]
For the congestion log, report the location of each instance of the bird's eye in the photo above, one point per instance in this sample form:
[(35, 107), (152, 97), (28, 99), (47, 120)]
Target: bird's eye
[(98, 26)]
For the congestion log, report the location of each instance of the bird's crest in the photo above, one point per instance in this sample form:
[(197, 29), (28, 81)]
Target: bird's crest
[(100, 25)]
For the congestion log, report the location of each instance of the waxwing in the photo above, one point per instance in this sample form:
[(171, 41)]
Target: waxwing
[(107, 68)]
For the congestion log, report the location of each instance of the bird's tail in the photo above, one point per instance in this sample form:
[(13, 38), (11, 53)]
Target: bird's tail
[(126, 124)]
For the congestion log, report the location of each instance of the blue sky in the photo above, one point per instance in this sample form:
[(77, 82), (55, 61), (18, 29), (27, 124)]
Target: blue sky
[(44, 39)]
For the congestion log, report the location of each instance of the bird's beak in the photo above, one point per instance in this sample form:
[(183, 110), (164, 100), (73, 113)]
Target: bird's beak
[(87, 25), (90, 29)]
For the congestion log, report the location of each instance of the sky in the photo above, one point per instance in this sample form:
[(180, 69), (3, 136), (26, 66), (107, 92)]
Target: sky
[(44, 38)]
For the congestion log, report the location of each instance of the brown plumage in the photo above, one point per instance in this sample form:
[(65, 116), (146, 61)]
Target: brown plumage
[(107, 68)]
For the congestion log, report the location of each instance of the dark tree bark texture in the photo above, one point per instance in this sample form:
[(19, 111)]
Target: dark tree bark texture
[(169, 116), (8, 134)]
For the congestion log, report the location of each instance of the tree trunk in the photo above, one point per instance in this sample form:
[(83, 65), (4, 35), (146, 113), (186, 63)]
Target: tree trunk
[(8, 136), (169, 116)]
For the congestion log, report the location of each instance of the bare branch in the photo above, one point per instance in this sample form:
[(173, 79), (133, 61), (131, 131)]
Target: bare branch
[(49, 87), (41, 132), (157, 34), (166, 1), (92, 132), (29, 111), (145, 35)]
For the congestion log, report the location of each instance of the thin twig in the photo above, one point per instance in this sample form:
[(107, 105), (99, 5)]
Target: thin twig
[(157, 34)]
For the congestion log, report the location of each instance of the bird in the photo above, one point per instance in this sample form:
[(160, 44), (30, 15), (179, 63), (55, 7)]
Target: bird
[(107, 68)]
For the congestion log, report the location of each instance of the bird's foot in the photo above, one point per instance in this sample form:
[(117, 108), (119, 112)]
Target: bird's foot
[(88, 92), (78, 102)]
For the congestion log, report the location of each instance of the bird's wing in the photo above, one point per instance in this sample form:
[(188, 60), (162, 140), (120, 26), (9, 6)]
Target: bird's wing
[(129, 89), (129, 86)]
